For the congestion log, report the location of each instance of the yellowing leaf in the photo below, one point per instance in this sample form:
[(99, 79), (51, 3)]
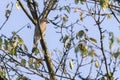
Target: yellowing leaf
[(81, 16), (17, 5), (65, 19), (20, 40), (109, 16), (30, 63), (97, 64), (37, 64), (23, 62), (118, 40), (111, 46), (71, 64), (92, 53), (93, 40)]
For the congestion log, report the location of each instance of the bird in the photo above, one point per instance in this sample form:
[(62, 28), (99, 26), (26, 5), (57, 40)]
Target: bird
[(37, 35)]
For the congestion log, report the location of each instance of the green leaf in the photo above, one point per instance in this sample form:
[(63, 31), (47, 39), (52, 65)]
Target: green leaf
[(2, 74), (115, 55), (24, 78), (36, 51), (7, 13), (76, 1), (83, 49), (0, 42), (65, 38), (80, 34), (93, 40), (67, 8), (13, 52), (6, 44), (77, 49), (81, 1), (20, 40), (23, 62)]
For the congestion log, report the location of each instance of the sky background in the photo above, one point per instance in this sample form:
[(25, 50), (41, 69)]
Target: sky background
[(18, 19)]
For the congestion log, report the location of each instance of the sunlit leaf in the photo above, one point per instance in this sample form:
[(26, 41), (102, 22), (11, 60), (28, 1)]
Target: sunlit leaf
[(97, 64), (0, 42), (93, 40), (14, 44), (23, 62), (71, 64), (20, 40), (80, 34), (17, 5), (13, 52)]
